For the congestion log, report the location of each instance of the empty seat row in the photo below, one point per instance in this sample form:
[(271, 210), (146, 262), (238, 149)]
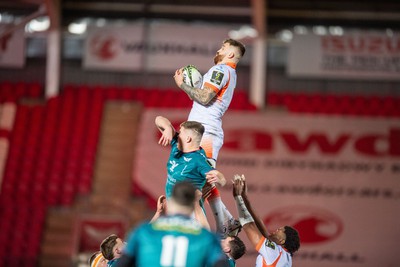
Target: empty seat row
[(354, 105)]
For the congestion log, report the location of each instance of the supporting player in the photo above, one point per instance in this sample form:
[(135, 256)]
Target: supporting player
[(175, 239), (232, 246), (187, 160), (275, 248), (111, 248)]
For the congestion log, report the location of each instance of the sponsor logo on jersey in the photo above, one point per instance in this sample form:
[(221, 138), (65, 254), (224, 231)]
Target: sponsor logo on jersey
[(187, 159), (173, 165)]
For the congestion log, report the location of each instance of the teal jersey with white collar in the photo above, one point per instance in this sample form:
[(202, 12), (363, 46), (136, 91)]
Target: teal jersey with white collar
[(231, 262), (112, 263), (191, 166), (174, 241)]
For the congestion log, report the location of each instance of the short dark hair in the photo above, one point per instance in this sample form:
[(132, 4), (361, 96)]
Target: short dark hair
[(292, 242), (106, 247), (184, 193), (238, 248), (237, 44), (195, 126)]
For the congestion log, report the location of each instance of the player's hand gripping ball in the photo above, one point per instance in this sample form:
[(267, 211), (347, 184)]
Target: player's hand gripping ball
[(192, 76)]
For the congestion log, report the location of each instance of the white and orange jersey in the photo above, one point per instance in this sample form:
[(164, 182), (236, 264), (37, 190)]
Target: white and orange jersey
[(271, 254), (222, 79)]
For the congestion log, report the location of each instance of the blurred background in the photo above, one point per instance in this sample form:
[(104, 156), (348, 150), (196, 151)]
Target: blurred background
[(314, 122)]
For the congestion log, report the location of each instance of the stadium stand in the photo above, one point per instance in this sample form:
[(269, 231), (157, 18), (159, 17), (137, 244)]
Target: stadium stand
[(345, 105), (53, 147)]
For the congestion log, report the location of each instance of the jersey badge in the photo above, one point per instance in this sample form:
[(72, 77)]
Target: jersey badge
[(270, 244), (217, 77)]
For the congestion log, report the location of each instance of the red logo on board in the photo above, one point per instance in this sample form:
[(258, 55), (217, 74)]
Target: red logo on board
[(369, 144), (105, 47), (315, 225)]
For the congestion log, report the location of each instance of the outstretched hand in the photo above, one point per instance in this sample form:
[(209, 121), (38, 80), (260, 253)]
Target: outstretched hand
[(215, 176), (178, 77), (239, 185), (166, 137)]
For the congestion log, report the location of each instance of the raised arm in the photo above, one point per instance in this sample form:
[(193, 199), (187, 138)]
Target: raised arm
[(202, 96), (161, 208), (258, 221), (216, 176), (199, 213), (245, 218), (167, 130)]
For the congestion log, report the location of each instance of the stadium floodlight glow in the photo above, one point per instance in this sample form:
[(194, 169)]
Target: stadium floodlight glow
[(389, 32), (320, 30), (249, 31), (243, 32), (285, 35), (40, 24), (77, 27), (7, 18), (300, 29), (336, 30), (120, 22), (101, 22), (234, 34)]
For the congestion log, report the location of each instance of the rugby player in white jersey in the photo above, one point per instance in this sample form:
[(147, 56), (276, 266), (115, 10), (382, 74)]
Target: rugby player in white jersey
[(274, 249), (210, 102)]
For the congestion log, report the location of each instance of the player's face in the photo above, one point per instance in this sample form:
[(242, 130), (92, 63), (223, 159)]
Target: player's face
[(225, 243), (221, 53), (118, 248), (278, 236), (226, 240), (182, 137)]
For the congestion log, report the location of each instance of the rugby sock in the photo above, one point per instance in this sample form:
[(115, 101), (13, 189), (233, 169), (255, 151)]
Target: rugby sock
[(221, 213)]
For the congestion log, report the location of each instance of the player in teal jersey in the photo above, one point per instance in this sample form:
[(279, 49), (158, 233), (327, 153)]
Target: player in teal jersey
[(187, 160), (111, 248), (232, 246), (175, 239)]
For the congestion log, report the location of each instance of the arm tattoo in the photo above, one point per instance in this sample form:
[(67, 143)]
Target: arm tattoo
[(201, 96)]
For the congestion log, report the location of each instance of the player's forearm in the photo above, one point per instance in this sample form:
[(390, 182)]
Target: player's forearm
[(201, 96), (200, 216), (221, 179), (244, 214), (162, 123), (258, 222), (247, 221)]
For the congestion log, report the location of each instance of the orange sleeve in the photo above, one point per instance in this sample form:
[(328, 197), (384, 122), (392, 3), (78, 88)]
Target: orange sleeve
[(262, 241), (216, 90)]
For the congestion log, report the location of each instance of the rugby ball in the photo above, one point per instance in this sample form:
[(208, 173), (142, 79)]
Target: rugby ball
[(192, 76)]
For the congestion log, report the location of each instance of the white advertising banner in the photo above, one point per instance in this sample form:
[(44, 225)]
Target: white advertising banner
[(334, 179), (165, 46), (174, 45), (12, 48), (114, 48), (355, 55)]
